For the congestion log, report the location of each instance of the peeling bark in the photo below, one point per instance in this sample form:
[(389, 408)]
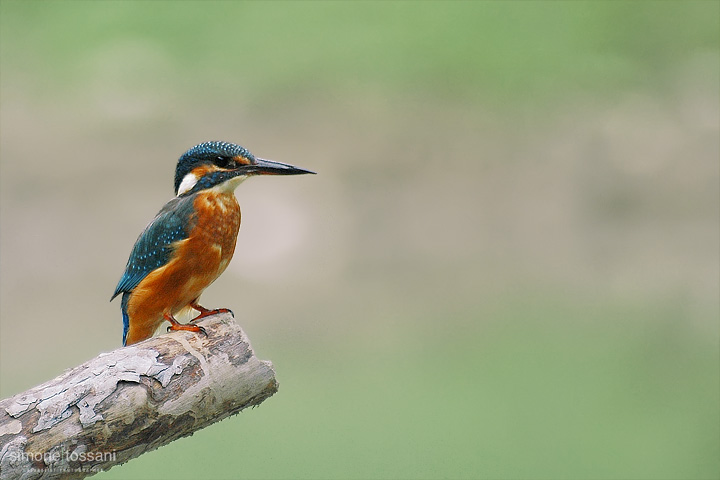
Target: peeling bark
[(132, 400)]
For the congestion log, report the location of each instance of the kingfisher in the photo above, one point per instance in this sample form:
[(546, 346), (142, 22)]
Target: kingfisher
[(190, 242)]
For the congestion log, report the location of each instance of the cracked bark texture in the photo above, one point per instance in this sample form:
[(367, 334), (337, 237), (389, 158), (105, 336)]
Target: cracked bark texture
[(124, 403)]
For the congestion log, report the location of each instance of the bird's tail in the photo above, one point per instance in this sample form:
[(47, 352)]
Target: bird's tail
[(126, 318)]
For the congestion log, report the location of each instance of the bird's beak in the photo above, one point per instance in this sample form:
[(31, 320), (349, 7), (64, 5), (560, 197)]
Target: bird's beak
[(268, 167)]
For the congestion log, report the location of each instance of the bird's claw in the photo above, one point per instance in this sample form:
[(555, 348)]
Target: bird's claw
[(188, 328), (225, 310), (206, 313)]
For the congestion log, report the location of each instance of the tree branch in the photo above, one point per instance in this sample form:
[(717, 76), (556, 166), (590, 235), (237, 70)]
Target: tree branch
[(132, 400)]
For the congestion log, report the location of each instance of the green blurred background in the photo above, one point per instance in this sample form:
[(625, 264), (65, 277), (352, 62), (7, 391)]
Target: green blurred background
[(506, 267)]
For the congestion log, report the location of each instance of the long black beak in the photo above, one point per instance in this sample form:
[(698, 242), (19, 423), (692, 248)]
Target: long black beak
[(268, 167)]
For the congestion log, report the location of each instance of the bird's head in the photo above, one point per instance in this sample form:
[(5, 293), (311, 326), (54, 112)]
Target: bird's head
[(223, 165)]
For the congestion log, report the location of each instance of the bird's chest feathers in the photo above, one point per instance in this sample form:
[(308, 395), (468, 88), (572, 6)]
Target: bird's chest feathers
[(217, 220)]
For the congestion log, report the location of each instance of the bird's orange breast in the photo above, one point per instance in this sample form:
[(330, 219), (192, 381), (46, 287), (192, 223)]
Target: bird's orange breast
[(211, 243)]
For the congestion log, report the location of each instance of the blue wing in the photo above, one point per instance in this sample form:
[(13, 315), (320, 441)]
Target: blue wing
[(155, 245), (126, 317)]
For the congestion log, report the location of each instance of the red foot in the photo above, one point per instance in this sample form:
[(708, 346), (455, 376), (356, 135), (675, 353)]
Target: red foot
[(204, 312), (175, 325)]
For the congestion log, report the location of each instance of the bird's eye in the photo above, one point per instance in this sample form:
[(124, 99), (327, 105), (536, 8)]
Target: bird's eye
[(225, 162)]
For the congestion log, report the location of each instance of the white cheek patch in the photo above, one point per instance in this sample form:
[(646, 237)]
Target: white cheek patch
[(187, 183)]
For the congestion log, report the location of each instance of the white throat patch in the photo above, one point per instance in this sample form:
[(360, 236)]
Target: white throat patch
[(228, 186)]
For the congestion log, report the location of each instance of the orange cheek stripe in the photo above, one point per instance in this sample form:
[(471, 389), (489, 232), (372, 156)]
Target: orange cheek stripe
[(241, 160), (203, 170)]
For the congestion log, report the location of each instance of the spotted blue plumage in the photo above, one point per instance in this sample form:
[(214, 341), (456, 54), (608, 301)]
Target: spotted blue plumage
[(154, 247), (206, 153)]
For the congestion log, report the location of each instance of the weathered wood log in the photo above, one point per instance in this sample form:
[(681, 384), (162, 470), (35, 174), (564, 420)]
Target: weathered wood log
[(124, 403)]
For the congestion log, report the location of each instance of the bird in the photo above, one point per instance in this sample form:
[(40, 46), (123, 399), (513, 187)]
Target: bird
[(190, 242)]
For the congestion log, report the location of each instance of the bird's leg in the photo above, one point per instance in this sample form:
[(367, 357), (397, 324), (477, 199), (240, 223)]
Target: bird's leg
[(175, 325), (204, 312)]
